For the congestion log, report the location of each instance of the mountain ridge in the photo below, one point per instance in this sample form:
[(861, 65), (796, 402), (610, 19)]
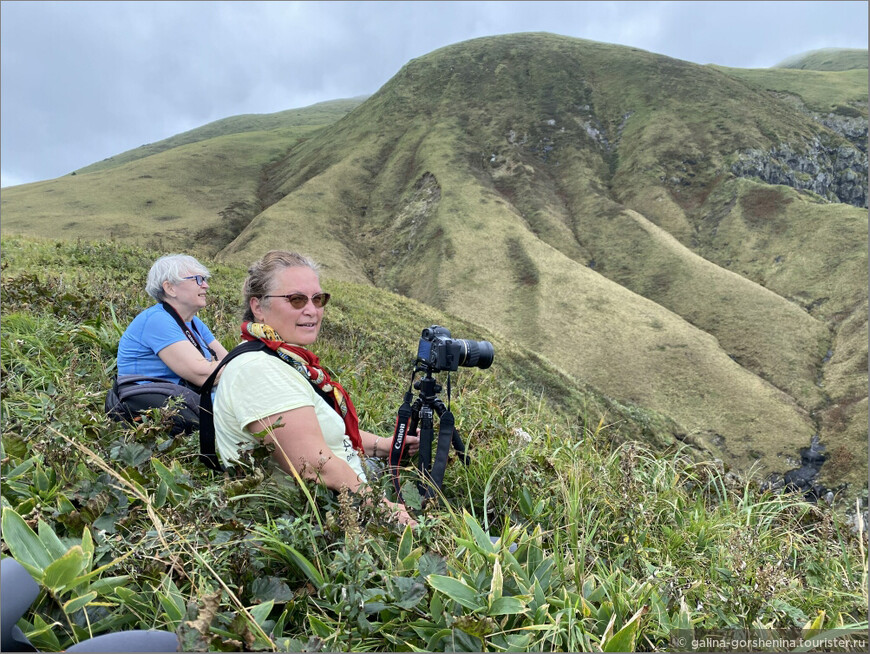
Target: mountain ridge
[(488, 177)]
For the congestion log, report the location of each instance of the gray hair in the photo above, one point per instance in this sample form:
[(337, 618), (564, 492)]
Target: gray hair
[(172, 268), (261, 275)]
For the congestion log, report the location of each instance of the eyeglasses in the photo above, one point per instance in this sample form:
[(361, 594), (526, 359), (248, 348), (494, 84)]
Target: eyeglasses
[(200, 279), (299, 300)]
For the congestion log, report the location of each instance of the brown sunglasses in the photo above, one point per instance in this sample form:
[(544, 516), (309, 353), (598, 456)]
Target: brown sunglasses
[(299, 300)]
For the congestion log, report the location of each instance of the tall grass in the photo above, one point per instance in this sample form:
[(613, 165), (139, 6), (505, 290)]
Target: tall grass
[(559, 535)]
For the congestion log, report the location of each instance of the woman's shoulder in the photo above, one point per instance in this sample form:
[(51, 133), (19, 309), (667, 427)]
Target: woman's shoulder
[(155, 313), (252, 370), (260, 360), (149, 319)]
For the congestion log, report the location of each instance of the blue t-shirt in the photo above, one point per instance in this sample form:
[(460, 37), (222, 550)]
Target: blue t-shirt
[(151, 331)]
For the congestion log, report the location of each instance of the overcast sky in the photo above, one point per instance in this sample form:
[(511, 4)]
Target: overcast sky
[(82, 81)]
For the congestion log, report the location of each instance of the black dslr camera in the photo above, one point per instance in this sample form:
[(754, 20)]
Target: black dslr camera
[(437, 351)]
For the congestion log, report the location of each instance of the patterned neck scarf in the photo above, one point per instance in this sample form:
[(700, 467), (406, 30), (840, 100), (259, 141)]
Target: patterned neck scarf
[(309, 365)]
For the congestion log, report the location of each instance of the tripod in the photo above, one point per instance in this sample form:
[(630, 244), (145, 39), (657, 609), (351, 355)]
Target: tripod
[(422, 413)]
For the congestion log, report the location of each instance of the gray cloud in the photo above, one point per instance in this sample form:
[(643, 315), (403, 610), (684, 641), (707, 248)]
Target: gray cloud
[(82, 81)]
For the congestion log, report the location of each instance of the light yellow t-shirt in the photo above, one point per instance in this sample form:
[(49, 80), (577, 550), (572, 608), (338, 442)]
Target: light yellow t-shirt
[(257, 385)]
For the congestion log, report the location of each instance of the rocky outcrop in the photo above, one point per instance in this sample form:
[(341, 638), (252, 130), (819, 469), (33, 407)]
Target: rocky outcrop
[(838, 174), (853, 128)]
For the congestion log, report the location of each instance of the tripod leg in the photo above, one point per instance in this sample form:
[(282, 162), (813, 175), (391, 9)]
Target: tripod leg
[(426, 434), (406, 422)]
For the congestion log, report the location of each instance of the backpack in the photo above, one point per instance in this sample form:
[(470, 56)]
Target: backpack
[(207, 451), (127, 398)]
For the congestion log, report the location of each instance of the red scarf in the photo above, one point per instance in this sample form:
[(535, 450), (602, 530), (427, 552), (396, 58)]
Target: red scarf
[(308, 364)]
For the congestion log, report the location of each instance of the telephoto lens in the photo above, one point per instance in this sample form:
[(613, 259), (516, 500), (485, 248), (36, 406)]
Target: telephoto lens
[(476, 353)]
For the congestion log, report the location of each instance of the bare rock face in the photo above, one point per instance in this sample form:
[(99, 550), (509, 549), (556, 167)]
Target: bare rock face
[(838, 174)]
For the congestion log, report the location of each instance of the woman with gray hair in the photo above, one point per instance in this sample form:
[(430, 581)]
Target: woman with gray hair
[(166, 350)]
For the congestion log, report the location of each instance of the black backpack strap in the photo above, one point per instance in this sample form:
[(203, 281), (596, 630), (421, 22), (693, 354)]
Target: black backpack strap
[(187, 333), (207, 451)]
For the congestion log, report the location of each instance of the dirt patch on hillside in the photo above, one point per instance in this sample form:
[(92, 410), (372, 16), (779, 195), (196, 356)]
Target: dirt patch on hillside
[(763, 206)]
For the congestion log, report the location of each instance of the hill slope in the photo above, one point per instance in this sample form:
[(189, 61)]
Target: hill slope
[(302, 120), (828, 59), (513, 180), (199, 188), (683, 238)]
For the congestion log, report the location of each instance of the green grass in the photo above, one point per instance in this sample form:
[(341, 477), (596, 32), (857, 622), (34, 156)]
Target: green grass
[(573, 197), (619, 547), (837, 91), (828, 59)]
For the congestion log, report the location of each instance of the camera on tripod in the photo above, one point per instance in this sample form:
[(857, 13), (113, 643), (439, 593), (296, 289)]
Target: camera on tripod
[(438, 352)]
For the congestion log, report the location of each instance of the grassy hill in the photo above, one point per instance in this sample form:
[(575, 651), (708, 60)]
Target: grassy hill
[(199, 188), (620, 545), (574, 197), (301, 120), (828, 59)]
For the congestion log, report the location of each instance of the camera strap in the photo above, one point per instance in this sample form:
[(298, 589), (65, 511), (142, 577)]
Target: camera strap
[(197, 343), (403, 422), (446, 434)]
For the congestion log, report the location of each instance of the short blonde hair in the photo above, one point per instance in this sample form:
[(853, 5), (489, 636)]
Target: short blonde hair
[(261, 275)]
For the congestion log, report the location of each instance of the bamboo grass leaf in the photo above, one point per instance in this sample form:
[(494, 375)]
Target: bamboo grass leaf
[(260, 612), (52, 543), (406, 543), (481, 539), (320, 628), (507, 606), (814, 627), (307, 567), (624, 639), (80, 602), (457, 590), (167, 477), (24, 544), (63, 571), (495, 587)]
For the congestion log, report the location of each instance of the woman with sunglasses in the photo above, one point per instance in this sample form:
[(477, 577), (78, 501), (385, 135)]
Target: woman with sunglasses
[(167, 350), (284, 395)]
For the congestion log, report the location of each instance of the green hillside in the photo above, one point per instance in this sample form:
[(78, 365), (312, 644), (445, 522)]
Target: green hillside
[(606, 539), (301, 120), (687, 239), (828, 59), (512, 180), (842, 93)]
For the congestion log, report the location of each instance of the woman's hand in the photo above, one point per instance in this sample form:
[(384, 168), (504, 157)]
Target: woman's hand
[(400, 513), (380, 447), (412, 443)]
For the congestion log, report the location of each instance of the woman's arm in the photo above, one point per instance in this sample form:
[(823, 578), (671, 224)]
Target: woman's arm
[(218, 348), (376, 446), (299, 444), (187, 362)]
